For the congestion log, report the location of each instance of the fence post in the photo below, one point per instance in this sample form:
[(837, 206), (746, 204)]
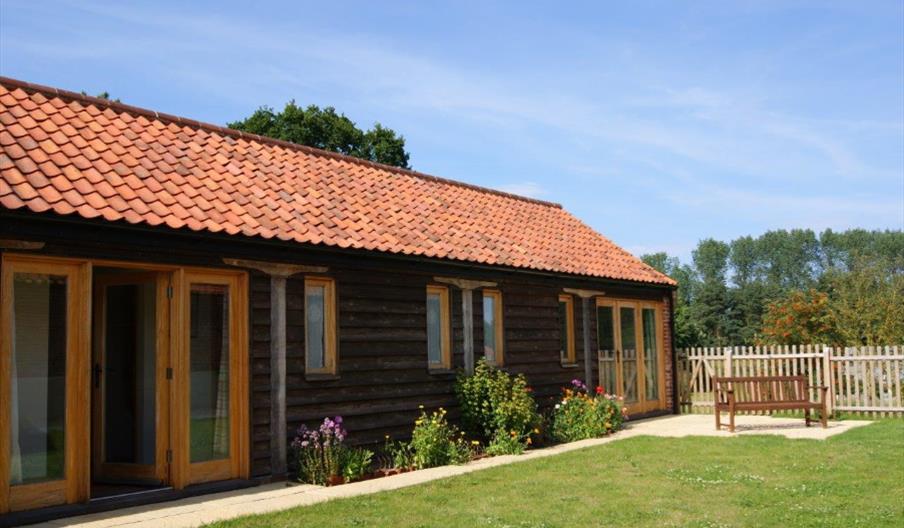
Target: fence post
[(728, 371), (828, 379)]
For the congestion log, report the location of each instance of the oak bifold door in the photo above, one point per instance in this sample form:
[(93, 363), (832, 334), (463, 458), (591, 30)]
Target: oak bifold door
[(631, 356), (116, 377), (130, 411), (44, 378)]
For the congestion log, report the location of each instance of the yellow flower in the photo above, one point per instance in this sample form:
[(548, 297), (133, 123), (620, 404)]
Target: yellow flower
[(529, 441), (536, 431), (420, 406), (475, 442)]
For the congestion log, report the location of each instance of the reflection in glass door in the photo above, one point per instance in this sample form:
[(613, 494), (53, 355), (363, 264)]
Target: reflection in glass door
[(210, 442), (608, 369), (627, 332), (209, 359), (650, 355)]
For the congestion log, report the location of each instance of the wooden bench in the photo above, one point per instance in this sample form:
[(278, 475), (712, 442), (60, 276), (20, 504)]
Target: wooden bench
[(765, 393)]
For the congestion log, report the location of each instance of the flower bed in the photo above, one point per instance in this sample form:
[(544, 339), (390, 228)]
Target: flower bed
[(500, 416), (581, 415)]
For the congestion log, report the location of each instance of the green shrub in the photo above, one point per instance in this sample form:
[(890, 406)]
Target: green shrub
[(510, 443), (397, 455), (436, 442), (356, 463), (494, 404), (580, 416)]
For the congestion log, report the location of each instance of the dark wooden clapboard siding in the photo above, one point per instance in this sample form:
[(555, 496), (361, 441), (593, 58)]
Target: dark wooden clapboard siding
[(383, 376), (383, 373)]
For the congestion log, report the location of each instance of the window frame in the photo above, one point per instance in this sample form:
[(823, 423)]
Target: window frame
[(445, 321), (330, 359), (568, 358), (497, 328)]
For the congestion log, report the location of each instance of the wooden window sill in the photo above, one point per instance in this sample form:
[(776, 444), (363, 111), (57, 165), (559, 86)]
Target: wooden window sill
[(440, 371), (321, 376), (569, 365)]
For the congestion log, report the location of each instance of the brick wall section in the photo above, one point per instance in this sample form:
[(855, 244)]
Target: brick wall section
[(668, 349)]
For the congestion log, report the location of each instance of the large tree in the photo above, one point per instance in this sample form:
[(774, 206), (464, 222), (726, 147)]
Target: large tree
[(326, 129)]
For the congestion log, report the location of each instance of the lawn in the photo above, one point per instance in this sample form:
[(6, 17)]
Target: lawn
[(856, 478)]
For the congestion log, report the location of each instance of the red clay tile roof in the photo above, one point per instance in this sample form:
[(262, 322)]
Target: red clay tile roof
[(77, 155)]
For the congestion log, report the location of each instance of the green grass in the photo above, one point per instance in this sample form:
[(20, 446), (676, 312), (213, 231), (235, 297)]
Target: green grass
[(853, 479)]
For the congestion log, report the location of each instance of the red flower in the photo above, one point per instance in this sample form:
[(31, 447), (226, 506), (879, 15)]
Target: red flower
[(599, 390), (528, 389)]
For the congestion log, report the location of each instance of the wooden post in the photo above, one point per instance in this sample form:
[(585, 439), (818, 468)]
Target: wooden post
[(467, 287), (278, 426), (467, 324), (588, 369), (827, 379), (728, 367)]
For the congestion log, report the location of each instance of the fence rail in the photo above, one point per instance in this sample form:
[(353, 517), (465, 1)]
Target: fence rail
[(861, 380)]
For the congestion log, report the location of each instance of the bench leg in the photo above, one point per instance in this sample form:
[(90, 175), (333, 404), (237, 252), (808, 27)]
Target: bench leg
[(731, 420), (823, 419), (807, 416), (718, 423)]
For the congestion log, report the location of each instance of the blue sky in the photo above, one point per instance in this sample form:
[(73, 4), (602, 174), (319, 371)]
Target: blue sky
[(658, 123)]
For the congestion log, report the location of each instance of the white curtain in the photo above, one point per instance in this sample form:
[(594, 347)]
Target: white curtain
[(15, 463)]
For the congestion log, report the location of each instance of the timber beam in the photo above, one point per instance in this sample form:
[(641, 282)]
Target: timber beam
[(275, 269)]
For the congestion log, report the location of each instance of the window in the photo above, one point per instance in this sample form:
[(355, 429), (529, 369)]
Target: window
[(439, 341), (320, 326), (492, 327), (566, 326)]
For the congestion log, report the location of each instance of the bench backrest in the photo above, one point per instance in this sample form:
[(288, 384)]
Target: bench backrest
[(762, 389)]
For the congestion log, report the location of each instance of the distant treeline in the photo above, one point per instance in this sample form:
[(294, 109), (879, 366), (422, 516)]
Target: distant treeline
[(791, 287)]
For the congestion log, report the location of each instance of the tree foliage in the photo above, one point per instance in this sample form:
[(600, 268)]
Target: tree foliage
[(790, 287), (326, 129), (801, 317)]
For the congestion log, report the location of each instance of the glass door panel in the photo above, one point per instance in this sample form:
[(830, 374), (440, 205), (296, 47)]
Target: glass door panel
[(650, 355), (129, 423), (629, 356), (42, 366), (38, 395), (606, 342), (210, 396), (209, 360)]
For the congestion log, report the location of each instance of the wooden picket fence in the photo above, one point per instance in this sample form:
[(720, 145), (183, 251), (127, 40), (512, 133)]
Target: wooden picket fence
[(864, 381)]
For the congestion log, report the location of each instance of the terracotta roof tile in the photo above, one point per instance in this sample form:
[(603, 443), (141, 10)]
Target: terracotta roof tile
[(73, 154)]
